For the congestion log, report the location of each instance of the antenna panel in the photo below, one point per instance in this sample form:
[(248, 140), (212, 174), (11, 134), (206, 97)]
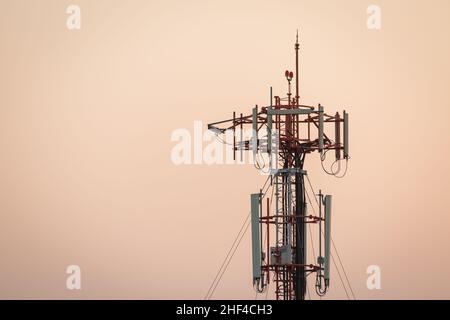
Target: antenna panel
[(346, 135), (256, 237), (269, 130), (254, 131), (320, 128), (327, 237)]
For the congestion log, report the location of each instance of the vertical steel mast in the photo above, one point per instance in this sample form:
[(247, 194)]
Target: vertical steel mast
[(300, 207), (285, 132)]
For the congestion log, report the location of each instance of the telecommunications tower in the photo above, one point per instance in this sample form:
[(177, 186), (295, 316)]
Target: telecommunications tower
[(286, 131)]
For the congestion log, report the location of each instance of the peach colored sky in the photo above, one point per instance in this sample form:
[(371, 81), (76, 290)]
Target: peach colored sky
[(86, 118)]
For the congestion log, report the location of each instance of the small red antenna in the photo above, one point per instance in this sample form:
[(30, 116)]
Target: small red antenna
[(289, 75)]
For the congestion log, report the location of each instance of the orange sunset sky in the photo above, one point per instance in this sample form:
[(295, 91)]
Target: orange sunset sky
[(86, 118)]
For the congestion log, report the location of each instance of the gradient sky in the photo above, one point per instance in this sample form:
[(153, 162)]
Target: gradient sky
[(86, 118)]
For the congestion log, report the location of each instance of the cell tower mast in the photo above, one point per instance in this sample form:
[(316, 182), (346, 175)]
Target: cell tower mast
[(291, 132)]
